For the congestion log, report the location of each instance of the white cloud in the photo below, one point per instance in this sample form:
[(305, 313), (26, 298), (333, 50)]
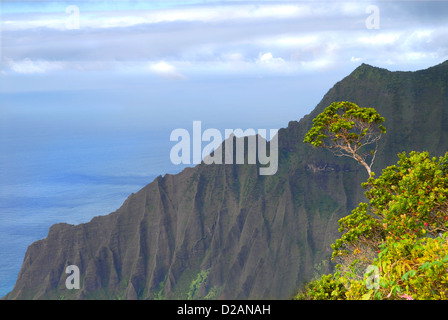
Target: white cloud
[(126, 18), (232, 57), (380, 39), (317, 65), (268, 60), (223, 13), (235, 38), (32, 22), (100, 17), (27, 66), (292, 41), (166, 70)]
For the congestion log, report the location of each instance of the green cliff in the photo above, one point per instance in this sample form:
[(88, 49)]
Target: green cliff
[(224, 231)]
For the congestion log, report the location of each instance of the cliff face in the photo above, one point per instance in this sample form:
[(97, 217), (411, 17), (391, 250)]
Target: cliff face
[(224, 231)]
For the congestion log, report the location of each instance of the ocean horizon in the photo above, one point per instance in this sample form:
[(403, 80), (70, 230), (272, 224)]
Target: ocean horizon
[(70, 176), (67, 156), (71, 179)]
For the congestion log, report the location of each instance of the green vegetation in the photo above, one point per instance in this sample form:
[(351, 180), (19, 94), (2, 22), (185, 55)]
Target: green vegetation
[(348, 128), (213, 293), (197, 283), (395, 246)]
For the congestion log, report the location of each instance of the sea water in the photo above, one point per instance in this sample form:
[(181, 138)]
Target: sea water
[(51, 178), (67, 156)]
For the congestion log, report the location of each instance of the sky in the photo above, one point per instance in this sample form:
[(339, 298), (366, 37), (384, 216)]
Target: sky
[(116, 65), (150, 62)]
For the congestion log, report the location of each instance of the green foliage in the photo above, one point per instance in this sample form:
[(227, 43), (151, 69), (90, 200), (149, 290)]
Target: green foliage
[(196, 284), (408, 269), (345, 128), (407, 200), (402, 232), (327, 287), (414, 268), (213, 293), (411, 196), (342, 121)]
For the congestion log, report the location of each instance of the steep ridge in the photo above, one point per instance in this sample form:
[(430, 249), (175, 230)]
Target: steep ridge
[(224, 231)]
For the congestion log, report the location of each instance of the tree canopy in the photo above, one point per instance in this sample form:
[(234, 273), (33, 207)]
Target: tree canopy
[(346, 129)]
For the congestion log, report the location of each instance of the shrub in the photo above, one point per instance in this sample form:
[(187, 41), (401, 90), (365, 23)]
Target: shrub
[(402, 232)]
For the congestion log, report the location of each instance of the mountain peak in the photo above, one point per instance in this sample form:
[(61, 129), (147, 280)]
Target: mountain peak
[(365, 65), (366, 70), (442, 65)]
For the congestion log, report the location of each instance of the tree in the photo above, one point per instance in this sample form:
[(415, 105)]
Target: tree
[(345, 129), (409, 200), (402, 232)]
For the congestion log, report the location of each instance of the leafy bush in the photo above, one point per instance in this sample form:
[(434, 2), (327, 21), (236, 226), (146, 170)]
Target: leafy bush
[(409, 200), (408, 270), (327, 287), (402, 233)]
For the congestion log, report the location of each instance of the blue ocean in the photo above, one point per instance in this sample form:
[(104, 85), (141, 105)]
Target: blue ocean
[(67, 155), (46, 179)]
